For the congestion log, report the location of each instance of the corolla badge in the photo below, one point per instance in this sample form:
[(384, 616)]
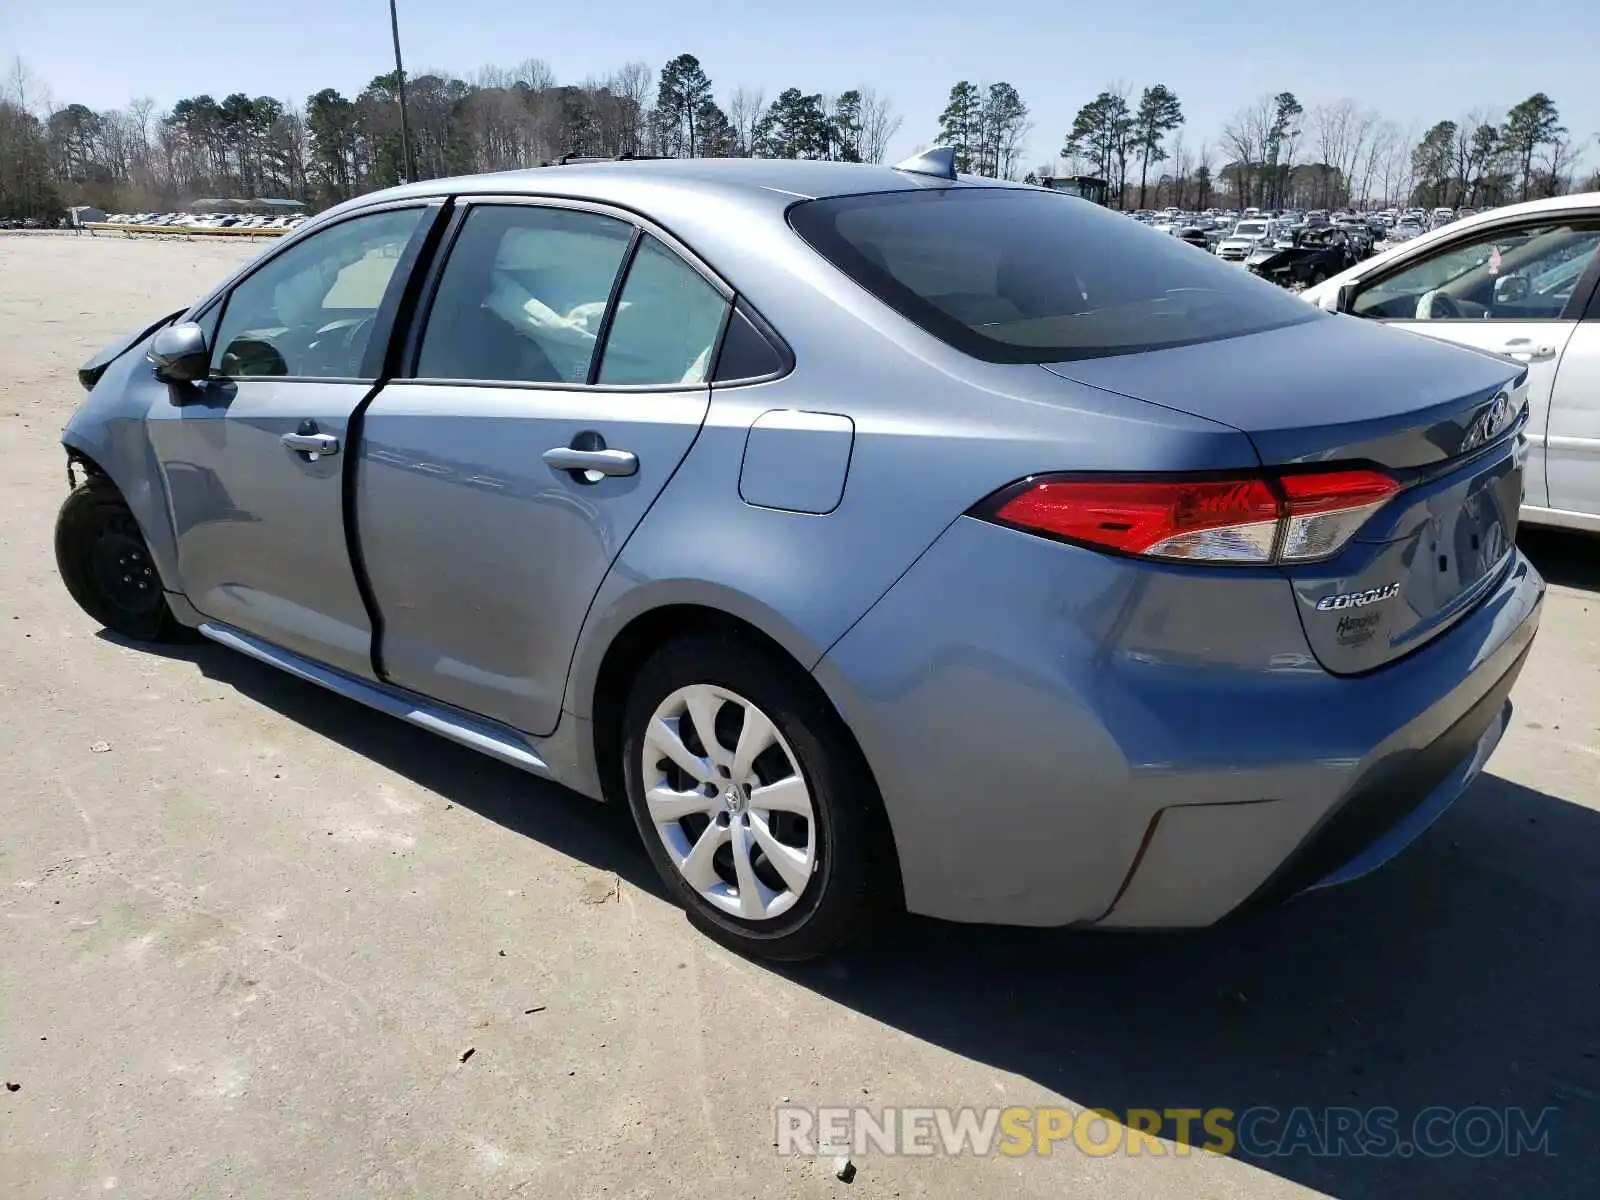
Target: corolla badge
[(1358, 599), (1488, 424)]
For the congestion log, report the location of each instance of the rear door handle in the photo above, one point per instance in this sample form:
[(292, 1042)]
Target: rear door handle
[(315, 444), (600, 462), (1524, 349)]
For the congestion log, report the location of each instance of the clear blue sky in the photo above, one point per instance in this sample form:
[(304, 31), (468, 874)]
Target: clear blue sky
[(1416, 61)]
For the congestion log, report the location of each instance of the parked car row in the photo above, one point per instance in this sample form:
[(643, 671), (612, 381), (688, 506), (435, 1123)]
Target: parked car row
[(1393, 224), (176, 220), (1294, 250)]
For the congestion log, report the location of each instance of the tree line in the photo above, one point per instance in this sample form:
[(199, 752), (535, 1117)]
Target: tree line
[(1276, 154), (1273, 153), (335, 146)]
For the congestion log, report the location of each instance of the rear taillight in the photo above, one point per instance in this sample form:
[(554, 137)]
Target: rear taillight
[(1236, 519), (1323, 511)]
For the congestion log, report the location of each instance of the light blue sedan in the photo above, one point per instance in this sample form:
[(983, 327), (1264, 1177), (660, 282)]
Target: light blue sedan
[(884, 539)]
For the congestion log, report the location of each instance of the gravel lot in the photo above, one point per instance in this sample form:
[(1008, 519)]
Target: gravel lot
[(248, 930)]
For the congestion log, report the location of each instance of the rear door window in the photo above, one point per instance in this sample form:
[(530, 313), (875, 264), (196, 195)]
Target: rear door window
[(1019, 275), (523, 295)]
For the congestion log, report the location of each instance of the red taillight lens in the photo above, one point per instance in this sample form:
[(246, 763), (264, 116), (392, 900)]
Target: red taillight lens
[(1232, 519), (1242, 519), (1327, 508)]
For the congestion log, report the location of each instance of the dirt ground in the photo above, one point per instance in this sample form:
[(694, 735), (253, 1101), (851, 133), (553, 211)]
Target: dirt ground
[(249, 932)]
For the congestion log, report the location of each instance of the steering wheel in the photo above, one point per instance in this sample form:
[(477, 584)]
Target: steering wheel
[(355, 336), (1437, 305)]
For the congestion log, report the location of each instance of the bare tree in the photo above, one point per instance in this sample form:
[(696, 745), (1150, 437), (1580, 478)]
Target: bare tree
[(1343, 132), (1378, 148), (1182, 164), (1202, 174), (25, 89), (1398, 168), (534, 74), (1365, 128), (1331, 126), (1245, 138), (879, 124), (1555, 168), (633, 85), (746, 107)]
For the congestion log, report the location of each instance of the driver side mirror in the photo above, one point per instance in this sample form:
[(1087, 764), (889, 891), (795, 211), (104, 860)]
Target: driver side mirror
[(1508, 289), (1344, 300), (180, 354)]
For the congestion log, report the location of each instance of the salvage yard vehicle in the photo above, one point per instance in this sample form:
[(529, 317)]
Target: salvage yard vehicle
[(1405, 229), (882, 538), (1247, 236), (1312, 256), (1522, 281), (1358, 234)]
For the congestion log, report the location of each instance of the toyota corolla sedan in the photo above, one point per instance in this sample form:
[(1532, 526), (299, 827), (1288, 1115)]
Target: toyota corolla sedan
[(883, 539)]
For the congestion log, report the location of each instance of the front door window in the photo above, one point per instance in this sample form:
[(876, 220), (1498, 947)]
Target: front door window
[(310, 312), (1524, 273)]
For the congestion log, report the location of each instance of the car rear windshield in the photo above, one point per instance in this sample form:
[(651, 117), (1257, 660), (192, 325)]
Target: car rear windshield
[(1017, 275)]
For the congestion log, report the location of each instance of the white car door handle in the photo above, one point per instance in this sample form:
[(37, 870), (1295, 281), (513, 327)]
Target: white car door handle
[(1524, 349)]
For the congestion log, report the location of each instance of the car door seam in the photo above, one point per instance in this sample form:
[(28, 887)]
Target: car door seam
[(417, 269)]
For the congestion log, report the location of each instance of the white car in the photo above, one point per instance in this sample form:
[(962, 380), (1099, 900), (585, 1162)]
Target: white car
[(1246, 236), (1523, 282)]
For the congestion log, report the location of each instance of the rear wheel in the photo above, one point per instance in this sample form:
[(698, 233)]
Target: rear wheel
[(105, 563), (753, 800)]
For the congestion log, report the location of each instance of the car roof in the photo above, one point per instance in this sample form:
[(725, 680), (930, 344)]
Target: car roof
[(761, 182), (717, 209)]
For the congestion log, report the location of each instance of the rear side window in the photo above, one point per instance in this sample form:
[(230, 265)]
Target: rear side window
[(1014, 275), (523, 295), (666, 325)]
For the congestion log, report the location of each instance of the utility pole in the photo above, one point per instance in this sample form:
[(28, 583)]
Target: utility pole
[(408, 158)]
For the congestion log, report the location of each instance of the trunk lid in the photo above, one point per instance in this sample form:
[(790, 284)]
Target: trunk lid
[(1446, 422)]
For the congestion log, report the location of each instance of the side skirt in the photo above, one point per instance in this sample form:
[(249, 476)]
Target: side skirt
[(487, 737)]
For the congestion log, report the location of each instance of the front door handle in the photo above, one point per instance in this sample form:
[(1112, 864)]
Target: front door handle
[(589, 460), (314, 444), (1524, 349)]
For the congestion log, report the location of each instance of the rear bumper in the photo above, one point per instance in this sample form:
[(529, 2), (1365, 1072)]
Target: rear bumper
[(1063, 738), (1396, 802)]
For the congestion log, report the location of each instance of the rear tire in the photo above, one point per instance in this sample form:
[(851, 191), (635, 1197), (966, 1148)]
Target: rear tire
[(837, 877), (105, 562)]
